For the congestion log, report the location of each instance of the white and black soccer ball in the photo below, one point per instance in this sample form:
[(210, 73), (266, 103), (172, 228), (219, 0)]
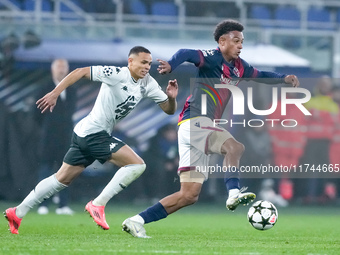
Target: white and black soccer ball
[(262, 215)]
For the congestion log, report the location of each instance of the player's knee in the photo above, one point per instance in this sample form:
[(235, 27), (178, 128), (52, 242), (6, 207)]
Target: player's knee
[(139, 168), (143, 166), (67, 173), (129, 173), (190, 198), (239, 148), (140, 161), (234, 148)]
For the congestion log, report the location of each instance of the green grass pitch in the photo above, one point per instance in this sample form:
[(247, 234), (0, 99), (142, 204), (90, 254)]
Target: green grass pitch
[(198, 229)]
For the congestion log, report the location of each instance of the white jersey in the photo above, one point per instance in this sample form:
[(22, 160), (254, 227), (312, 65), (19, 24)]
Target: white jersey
[(118, 96)]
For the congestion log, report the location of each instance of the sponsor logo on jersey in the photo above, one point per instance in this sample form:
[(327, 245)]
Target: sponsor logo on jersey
[(125, 107), (228, 81), (142, 90), (207, 52), (113, 145)]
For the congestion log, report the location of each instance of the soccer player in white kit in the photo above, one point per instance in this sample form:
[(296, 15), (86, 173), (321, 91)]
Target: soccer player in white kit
[(121, 90)]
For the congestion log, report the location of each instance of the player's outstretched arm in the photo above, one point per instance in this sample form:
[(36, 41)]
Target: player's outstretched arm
[(49, 101), (181, 56), (170, 106), (292, 79)]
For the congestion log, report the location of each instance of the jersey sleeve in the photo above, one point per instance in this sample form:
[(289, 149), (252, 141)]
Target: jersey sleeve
[(251, 73), (110, 75), (208, 59), (185, 55), (155, 92)]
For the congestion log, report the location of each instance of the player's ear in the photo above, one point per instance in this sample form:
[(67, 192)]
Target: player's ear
[(222, 40), (130, 60)]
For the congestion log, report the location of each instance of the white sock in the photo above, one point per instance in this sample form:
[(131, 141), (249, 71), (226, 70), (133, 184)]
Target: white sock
[(233, 192), (44, 189), (123, 177), (138, 218)]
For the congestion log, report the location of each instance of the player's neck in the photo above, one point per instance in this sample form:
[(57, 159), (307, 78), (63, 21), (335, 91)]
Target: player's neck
[(134, 77), (227, 58)]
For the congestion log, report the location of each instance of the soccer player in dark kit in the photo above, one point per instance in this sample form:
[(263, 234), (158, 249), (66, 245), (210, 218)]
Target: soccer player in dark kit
[(198, 137)]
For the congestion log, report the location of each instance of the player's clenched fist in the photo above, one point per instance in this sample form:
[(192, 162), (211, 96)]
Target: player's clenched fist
[(292, 79)]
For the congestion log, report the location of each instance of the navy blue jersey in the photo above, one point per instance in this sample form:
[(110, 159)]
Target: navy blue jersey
[(214, 69)]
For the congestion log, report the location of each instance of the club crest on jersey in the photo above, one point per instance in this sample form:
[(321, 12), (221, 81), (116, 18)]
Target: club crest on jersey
[(125, 88), (107, 71), (225, 77), (236, 72)]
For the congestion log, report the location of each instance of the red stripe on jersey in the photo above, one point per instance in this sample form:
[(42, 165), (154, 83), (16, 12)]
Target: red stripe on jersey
[(255, 73), (186, 106), (200, 53), (224, 94), (239, 66), (226, 71), (186, 168)]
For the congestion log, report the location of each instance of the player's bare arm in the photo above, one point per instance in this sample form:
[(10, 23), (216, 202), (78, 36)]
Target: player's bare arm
[(292, 79), (164, 67), (170, 106), (49, 101)]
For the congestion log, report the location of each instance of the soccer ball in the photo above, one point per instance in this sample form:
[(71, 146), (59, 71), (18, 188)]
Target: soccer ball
[(262, 215)]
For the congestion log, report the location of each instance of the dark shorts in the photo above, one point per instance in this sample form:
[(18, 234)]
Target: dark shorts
[(85, 150)]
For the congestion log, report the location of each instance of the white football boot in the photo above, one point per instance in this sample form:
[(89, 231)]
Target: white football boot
[(134, 228), (240, 198)]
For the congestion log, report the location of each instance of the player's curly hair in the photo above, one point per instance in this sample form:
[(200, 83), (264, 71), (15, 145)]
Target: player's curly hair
[(138, 49), (226, 26)]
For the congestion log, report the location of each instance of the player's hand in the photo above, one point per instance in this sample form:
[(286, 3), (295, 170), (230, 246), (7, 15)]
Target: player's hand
[(49, 101), (172, 89), (292, 79), (164, 67)]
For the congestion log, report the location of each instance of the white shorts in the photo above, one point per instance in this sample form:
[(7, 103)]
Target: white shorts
[(197, 138)]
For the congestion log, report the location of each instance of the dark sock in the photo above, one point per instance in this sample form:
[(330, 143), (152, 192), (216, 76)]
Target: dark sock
[(232, 180), (154, 213), (232, 183)]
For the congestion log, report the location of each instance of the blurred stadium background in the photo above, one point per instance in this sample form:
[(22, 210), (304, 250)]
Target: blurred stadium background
[(300, 37)]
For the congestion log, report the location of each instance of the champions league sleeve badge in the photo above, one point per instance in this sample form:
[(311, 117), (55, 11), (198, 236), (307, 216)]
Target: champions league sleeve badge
[(107, 71)]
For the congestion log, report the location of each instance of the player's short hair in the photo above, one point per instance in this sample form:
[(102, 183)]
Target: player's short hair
[(226, 26), (138, 49)]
